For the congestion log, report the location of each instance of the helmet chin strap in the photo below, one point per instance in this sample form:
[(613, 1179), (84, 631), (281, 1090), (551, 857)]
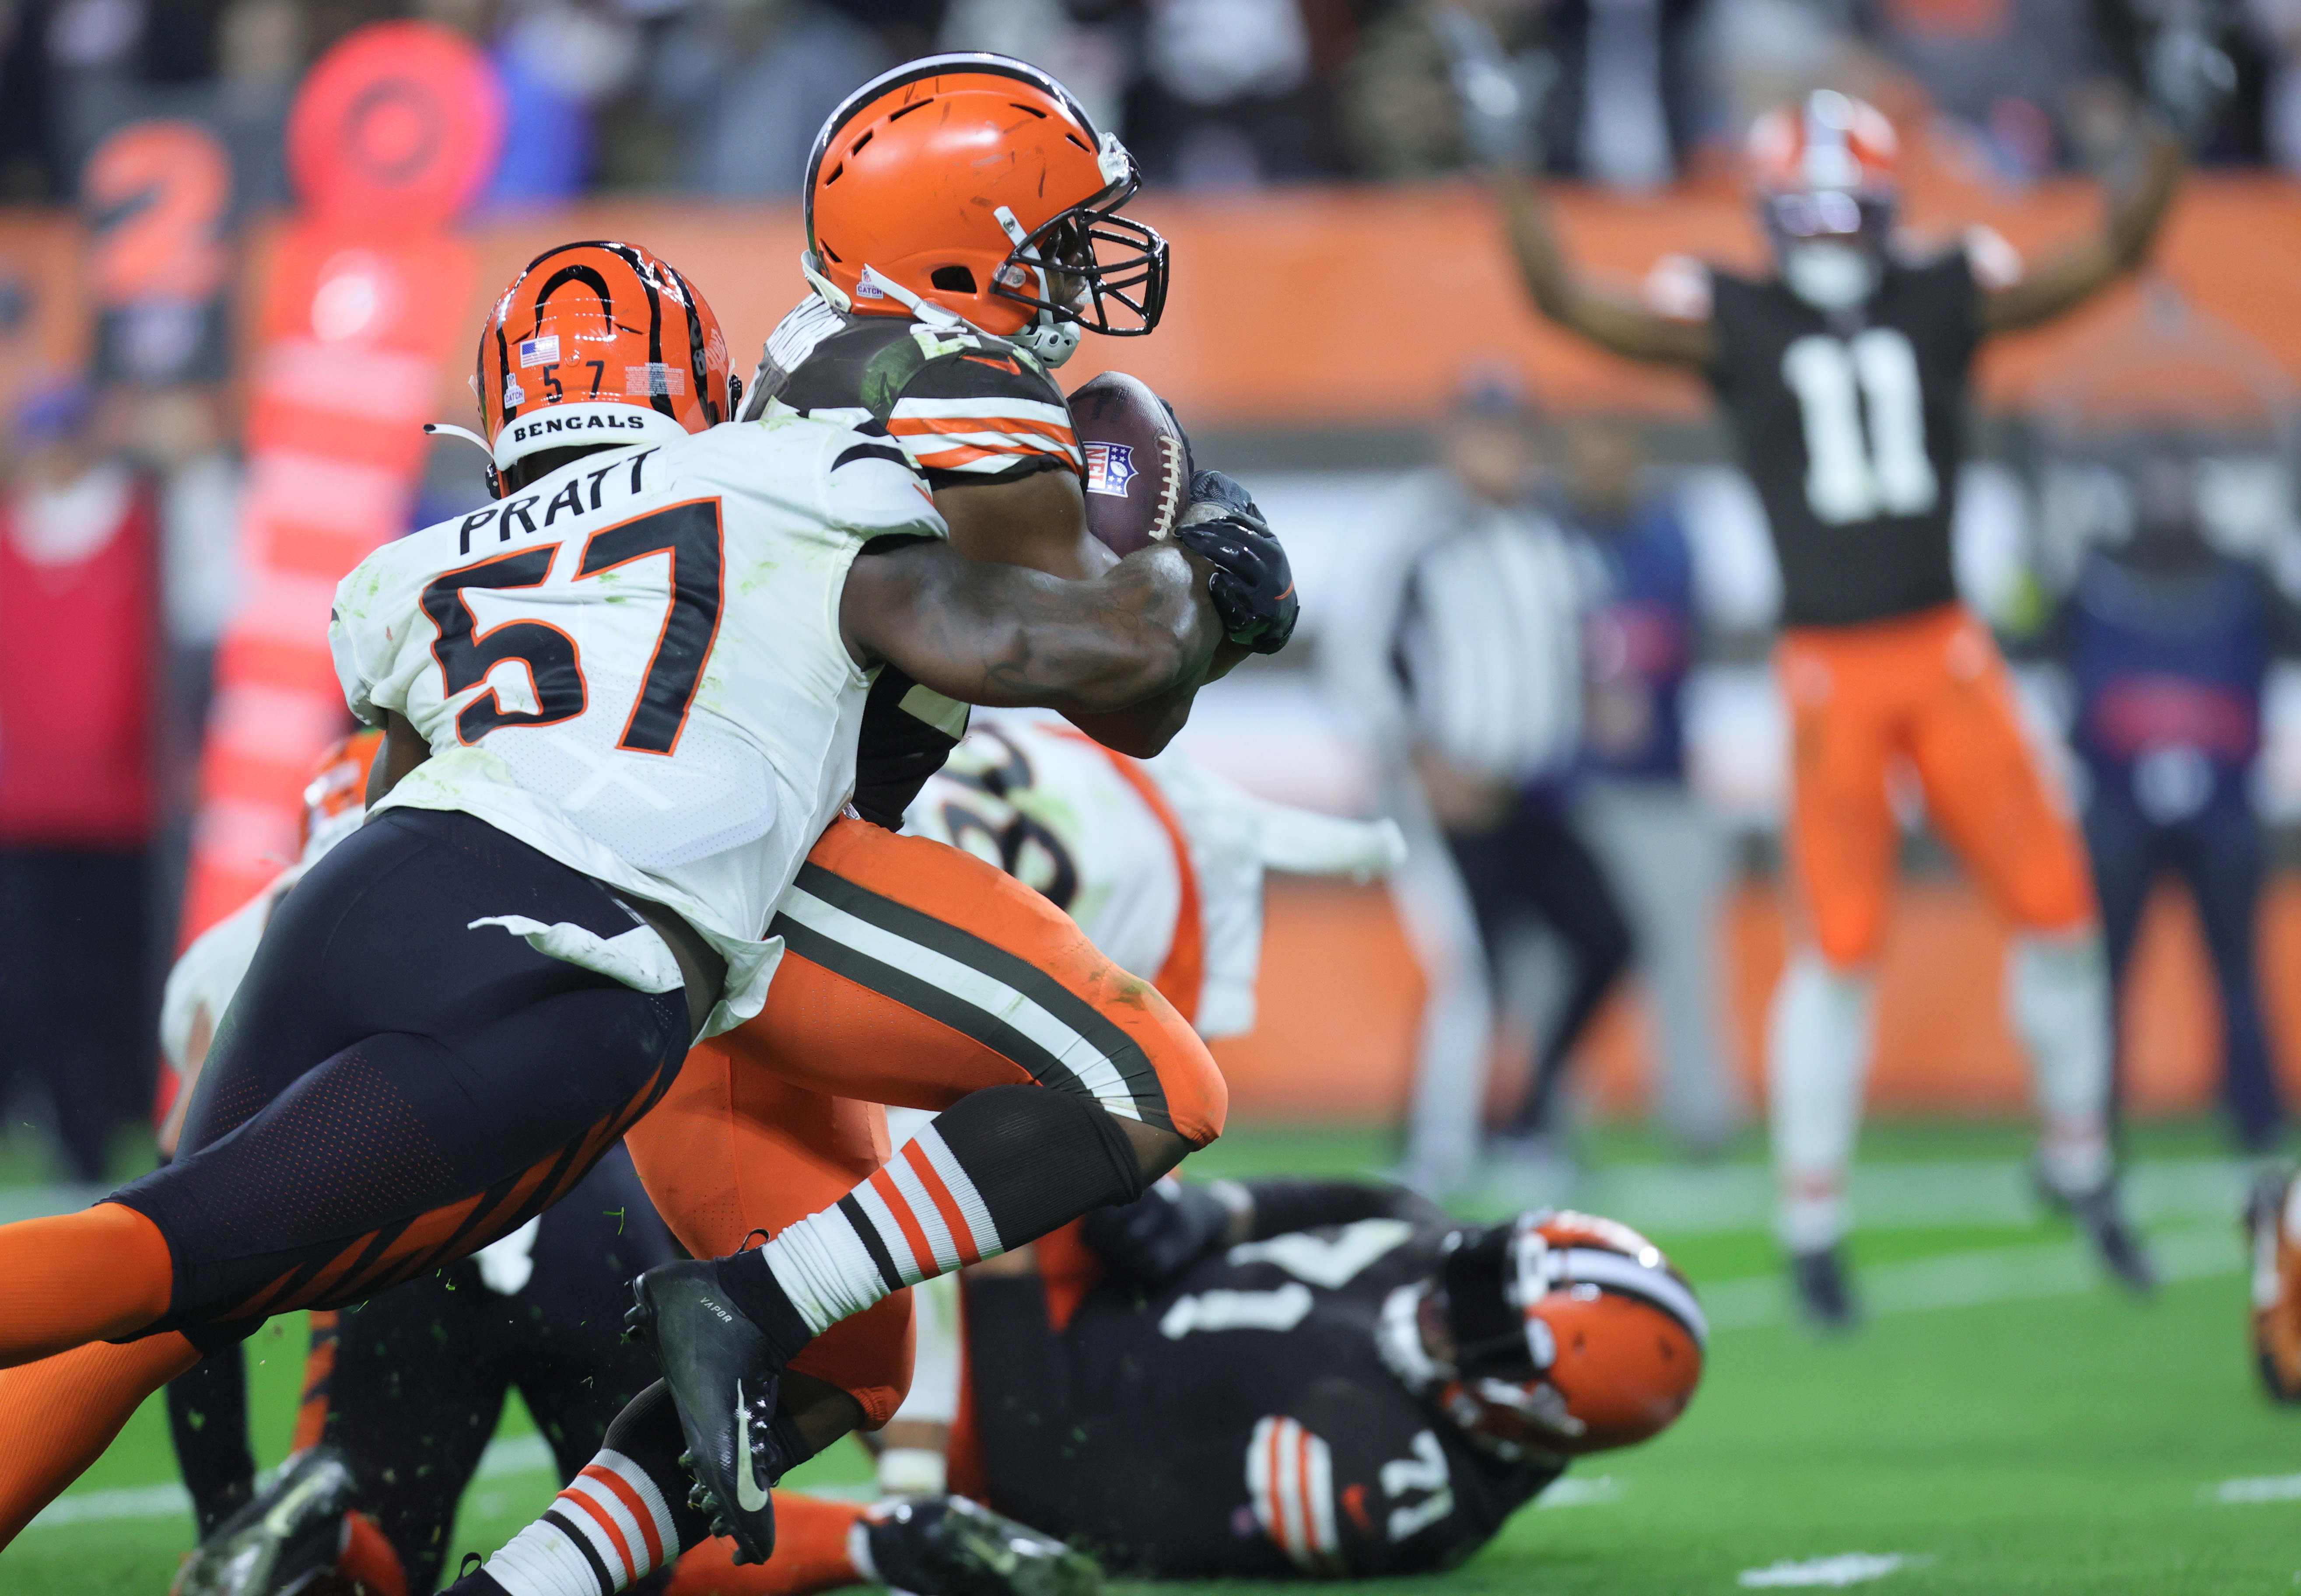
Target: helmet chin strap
[(1052, 341), (1047, 335), (449, 430)]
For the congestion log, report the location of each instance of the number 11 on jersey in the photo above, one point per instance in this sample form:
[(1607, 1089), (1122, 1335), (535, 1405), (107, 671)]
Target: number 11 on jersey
[(1850, 477)]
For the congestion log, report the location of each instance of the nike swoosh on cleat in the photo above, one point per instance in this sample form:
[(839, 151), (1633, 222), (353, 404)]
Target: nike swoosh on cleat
[(749, 1495)]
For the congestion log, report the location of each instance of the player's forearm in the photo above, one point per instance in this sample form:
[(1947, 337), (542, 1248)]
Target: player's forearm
[(1141, 630), (2068, 279), (1144, 730), (1557, 291), (2136, 213), (1533, 239), (1274, 1207)]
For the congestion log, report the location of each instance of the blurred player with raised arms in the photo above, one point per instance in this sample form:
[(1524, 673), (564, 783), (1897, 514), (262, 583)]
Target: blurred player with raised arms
[(1843, 376)]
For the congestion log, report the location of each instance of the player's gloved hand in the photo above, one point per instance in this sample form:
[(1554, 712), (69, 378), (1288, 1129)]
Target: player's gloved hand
[(1161, 1233), (1252, 586)]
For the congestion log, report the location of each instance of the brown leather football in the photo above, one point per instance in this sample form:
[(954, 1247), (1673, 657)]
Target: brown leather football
[(1138, 462)]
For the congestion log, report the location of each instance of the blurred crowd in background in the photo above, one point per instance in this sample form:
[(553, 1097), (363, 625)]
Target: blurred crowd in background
[(1571, 802), (722, 97)]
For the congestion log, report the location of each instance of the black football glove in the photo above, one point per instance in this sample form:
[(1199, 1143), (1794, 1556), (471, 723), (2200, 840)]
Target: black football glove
[(1254, 585), (1159, 1234)]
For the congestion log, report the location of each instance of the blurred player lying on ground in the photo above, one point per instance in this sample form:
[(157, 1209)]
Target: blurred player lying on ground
[(1294, 1377), (1844, 377)]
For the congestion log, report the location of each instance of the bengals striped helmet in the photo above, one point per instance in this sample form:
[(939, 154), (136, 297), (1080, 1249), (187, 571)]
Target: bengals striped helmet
[(1571, 1334), (597, 343), (335, 800), (978, 184)]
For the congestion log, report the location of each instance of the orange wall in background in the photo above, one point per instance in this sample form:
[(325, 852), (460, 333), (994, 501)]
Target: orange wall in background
[(1345, 306), (1341, 995)]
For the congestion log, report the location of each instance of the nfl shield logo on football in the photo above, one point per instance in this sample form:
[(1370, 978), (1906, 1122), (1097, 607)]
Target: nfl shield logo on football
[(1110, 467), (539, 351)]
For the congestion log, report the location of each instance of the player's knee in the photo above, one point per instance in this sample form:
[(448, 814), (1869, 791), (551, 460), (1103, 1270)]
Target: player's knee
[(1850, 942), (1197, 1099), (2055, 901)]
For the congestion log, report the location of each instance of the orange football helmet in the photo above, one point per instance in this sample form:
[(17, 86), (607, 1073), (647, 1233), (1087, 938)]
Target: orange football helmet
[(594, 344), (335, 800), (1571, 1334), (1831, 141), (976, 183), (1825, 175)]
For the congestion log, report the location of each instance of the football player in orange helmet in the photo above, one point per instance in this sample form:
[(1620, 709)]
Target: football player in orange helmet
[(1843, 376), (1562, 1332), (1001, 207), (1284, 1377), (559, 373), (650, 793)]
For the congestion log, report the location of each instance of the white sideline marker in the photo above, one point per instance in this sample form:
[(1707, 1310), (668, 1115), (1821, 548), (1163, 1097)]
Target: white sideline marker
[(2248, 1492), (1835, 1574)]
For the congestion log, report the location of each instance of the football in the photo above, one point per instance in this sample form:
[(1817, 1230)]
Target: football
[(1138, 462)]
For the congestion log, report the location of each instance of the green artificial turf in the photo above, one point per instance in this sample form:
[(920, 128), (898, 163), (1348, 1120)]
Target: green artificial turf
[(2059, 1442)]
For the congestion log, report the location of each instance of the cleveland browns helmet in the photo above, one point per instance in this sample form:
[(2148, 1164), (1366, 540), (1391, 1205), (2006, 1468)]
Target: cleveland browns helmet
[(978, 184), (596, 343), (335, 800), (1569, 1334), (1824, 171)]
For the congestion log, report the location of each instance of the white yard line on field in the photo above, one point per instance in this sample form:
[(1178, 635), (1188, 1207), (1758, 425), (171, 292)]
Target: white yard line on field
[(1667, 1198), (1847, 1568), (508, 1455), (1976, 1279), (2261, 1488)]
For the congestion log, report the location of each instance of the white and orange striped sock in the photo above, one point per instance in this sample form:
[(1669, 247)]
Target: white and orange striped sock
[(609, 1529), (918, 1216), (998, 1168)]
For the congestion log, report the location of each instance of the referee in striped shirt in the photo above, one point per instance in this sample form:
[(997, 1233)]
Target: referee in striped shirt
[(1464, 651)]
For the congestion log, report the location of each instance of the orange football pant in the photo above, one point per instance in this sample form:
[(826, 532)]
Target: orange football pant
[(897, 952), (1929, 689)]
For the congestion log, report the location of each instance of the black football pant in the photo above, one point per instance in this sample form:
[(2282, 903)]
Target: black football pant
[(392, 1089), (422, 1371), (1533, 865), (2220, 853), (76, 1011)]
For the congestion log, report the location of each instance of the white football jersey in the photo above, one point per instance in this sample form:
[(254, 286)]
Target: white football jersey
[(634, 665), (1060, 813)]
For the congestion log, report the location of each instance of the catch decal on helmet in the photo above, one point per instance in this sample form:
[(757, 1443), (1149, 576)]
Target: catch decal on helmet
[(977, 184)]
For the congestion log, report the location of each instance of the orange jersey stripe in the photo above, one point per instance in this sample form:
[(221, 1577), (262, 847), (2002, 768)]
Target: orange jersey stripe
[(953, 458), (904, 425)]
